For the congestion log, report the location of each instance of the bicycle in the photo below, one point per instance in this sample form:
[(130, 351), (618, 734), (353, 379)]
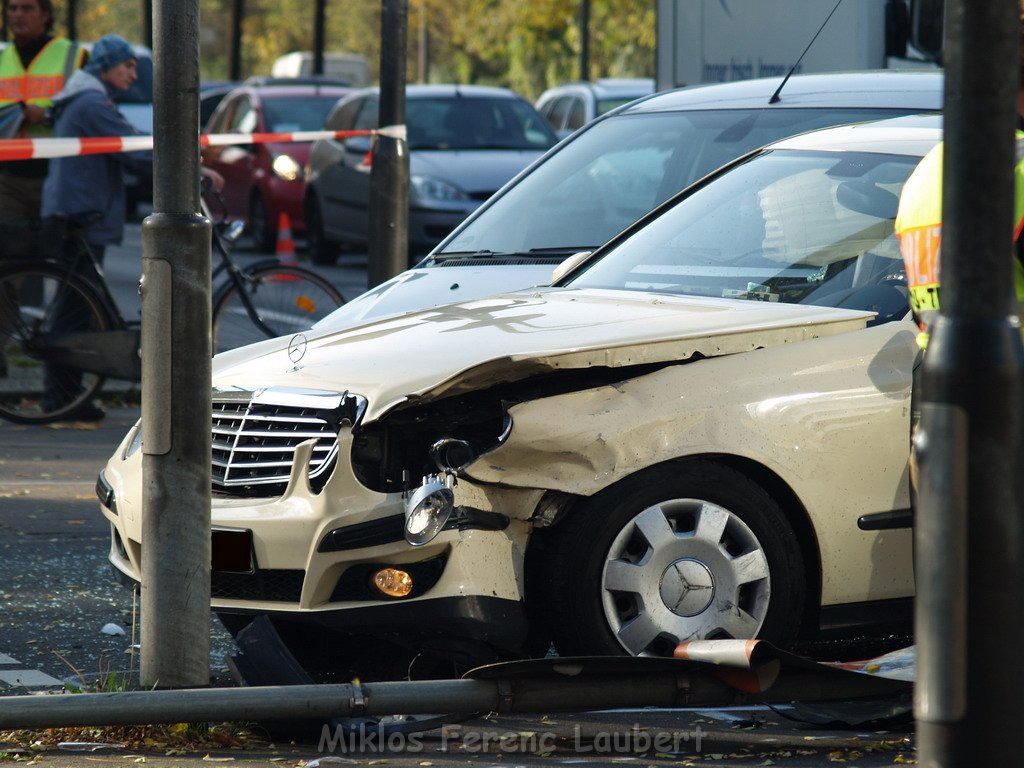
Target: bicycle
[(62, 334)]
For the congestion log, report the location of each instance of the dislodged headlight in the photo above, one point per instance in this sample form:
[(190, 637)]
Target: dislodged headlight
[(429, 508), (286, 168), (430, 188)]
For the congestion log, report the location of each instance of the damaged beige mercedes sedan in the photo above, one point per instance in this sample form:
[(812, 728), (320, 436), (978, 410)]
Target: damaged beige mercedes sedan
[(700, 431)]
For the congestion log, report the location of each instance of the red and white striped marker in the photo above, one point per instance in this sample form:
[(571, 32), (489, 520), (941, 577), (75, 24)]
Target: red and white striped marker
[(31, 149)]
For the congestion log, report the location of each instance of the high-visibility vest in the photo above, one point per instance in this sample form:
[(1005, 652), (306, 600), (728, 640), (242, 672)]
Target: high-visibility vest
[(43, 79), (919, 227)]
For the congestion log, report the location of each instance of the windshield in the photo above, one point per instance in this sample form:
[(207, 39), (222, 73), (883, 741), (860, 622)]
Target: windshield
[(308, 113), (621, 168), (786, 226), (465, 122)]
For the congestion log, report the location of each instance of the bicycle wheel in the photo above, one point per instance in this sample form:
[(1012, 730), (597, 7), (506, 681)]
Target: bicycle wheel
[(285, 300), (43, 312)]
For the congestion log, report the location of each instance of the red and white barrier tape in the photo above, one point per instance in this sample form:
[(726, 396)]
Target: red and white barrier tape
[(29, 149)]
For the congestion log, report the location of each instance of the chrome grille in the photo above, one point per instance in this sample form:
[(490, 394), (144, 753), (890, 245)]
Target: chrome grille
[(255, 435)]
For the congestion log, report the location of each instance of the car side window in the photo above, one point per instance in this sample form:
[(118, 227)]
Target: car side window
[(368, 115), (556, 116), (245, 118), (341, 119), (577, 114), (220, 120)]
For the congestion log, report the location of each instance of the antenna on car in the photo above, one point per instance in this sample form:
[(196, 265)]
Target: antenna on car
[(775, 96)]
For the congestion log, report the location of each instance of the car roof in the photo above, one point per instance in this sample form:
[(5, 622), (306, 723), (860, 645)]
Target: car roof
[(426, 91), (911, 135), (913, 89), (606, 87), (296, 91)]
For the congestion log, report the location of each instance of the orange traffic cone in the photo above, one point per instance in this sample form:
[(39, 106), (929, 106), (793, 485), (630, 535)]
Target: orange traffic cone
[(285, 249)]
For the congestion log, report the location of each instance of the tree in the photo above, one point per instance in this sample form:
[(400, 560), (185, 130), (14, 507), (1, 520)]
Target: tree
[(526, 45)]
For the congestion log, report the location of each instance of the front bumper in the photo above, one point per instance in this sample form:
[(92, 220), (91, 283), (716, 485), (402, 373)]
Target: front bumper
[(313, 556)]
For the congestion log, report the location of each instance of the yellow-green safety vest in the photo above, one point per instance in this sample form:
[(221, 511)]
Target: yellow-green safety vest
[(43, 79), (919, 227)]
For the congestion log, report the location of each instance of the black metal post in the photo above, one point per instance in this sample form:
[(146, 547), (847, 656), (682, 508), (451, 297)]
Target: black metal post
[(389, 172), (147, 23), (72, 21), (970, 521), (235, 54), (319, 21), (584, 39), (176, 370)]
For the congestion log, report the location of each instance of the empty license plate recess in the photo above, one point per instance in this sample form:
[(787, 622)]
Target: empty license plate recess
[(232, 551)]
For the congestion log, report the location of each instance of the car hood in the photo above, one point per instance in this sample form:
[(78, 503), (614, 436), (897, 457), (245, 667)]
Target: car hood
[(472, 171), (461, 347), (428, 287)]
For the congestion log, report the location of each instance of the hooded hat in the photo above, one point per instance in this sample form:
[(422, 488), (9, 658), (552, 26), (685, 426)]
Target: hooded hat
[(108, 52)]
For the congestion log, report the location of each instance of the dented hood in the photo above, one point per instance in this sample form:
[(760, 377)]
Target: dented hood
[(461, 347)]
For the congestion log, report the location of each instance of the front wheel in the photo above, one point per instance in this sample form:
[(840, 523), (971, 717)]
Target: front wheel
[(679, 552), (270, 301), (49, 321)]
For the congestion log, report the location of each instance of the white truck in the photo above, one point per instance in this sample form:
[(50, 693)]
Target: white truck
[(711, 41), (350, 67)]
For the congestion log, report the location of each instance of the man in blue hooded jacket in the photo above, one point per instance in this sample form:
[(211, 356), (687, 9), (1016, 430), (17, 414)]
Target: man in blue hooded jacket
[(89, 189), (83, 186)]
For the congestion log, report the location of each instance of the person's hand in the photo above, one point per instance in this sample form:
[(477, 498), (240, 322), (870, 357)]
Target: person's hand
[(211, 179), (33, 114)]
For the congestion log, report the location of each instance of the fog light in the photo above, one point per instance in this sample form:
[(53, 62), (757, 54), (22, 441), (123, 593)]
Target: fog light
[(393, 582), (429, 509)]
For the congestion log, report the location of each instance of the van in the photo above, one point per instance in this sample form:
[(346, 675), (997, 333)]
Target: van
[(351, 67)]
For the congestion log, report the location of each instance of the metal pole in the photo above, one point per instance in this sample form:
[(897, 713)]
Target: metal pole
[(970, 521), (320, 13), (72, 19), (235, 55), (389, 170), (517, 695), (584, 39), (147, 23), (176, 416)]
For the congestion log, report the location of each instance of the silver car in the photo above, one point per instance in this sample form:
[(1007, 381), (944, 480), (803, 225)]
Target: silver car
[(617, 168), (465, 142), (570, 106)]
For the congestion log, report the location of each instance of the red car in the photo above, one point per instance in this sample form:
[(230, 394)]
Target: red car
[(263, 180)]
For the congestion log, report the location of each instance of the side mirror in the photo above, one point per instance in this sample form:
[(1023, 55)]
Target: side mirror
[(569, 265)]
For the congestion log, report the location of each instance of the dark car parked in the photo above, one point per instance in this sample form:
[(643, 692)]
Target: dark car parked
[(464, 143), (261, 181)]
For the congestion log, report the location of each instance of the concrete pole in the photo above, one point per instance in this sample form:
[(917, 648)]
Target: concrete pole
[(389, 169), (176, 244), (969, 529)]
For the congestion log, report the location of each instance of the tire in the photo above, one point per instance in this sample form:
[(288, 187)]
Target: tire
[(38, 303), (264, 231), (321, 250), (678, 552), (287, 299)]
